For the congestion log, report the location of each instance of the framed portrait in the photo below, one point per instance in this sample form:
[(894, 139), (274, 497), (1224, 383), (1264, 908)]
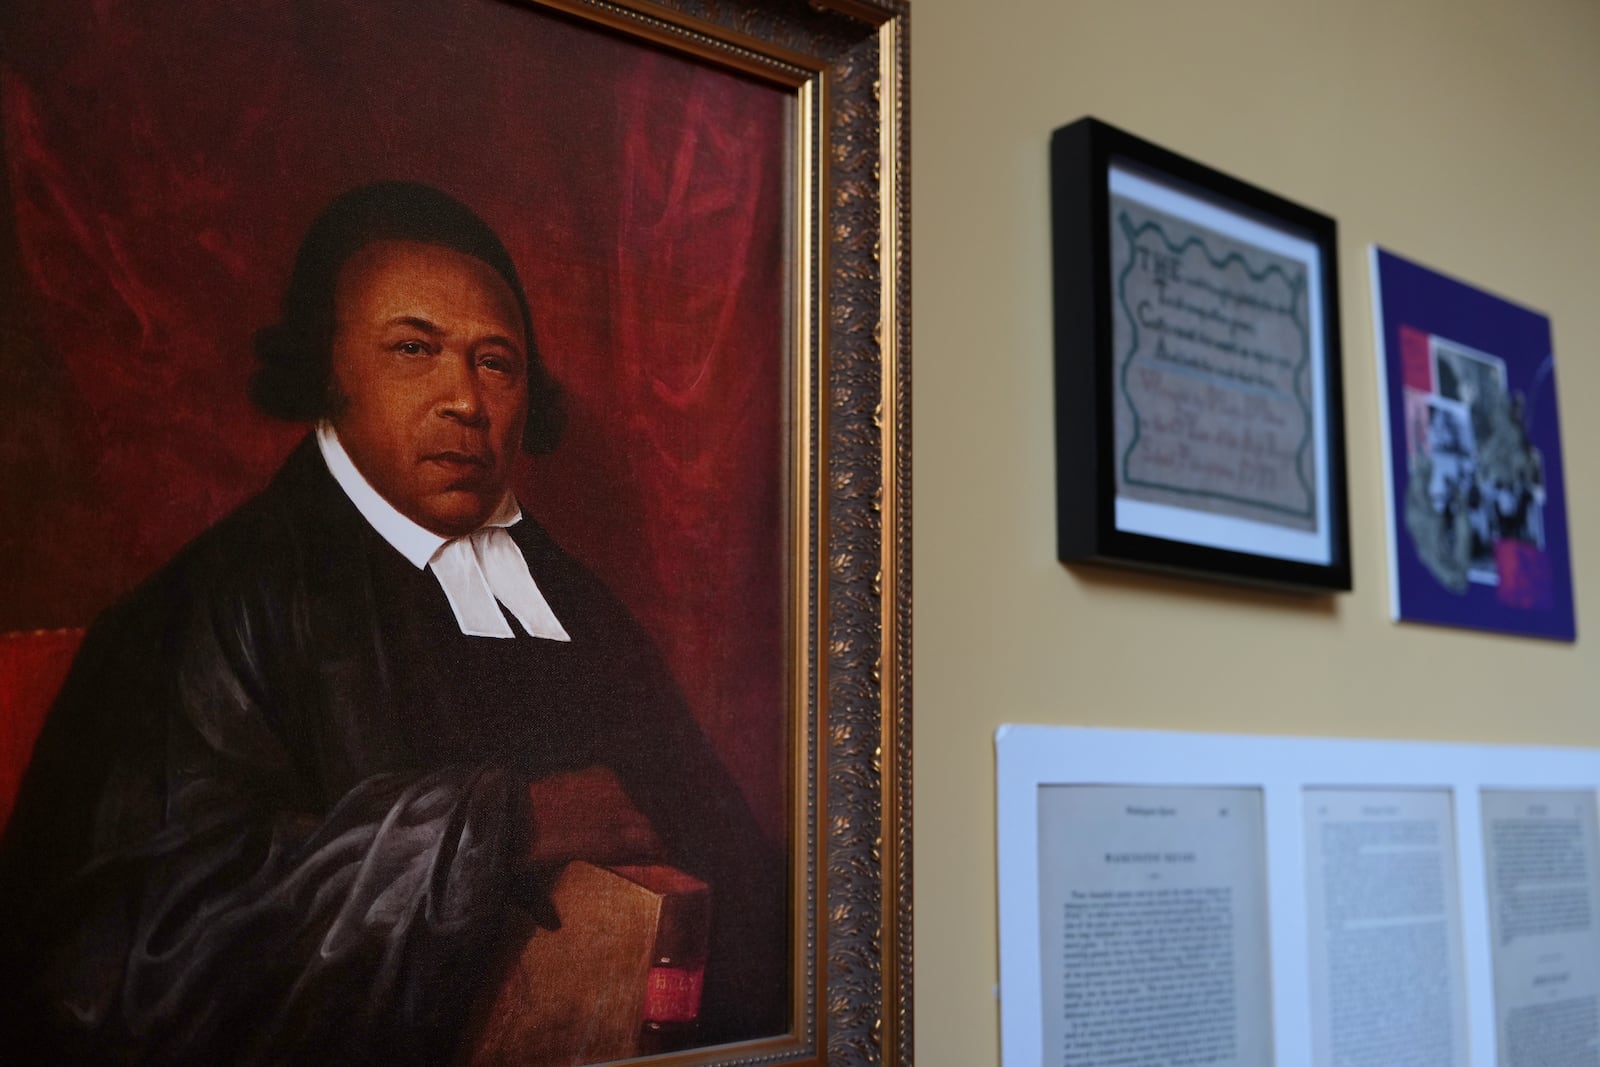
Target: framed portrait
[(1199, 412), (455, 530)]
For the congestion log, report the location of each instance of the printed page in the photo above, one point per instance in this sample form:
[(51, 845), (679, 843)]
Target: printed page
[(1383, 924), (1153, 926), (1542, 865)]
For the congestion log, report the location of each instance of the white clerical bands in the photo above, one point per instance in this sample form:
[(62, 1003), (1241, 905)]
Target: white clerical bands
[(486, 566)]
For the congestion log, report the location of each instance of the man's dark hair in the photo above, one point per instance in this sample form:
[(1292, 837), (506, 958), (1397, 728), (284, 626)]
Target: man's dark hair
[(294, 380)]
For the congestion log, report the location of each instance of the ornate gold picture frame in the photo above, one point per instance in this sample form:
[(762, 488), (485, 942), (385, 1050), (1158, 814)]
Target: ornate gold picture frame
[(760, 538)]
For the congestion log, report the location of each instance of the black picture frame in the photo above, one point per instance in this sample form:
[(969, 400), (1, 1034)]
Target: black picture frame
[(1203, 433)]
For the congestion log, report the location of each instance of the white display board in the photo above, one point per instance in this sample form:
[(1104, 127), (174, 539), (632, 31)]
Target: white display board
[(1370, 866)]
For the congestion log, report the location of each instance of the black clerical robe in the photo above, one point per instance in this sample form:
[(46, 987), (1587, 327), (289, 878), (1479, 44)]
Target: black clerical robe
[(278, 810)]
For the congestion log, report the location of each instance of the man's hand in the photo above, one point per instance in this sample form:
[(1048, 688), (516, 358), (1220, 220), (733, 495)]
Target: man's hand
[(585, 815)]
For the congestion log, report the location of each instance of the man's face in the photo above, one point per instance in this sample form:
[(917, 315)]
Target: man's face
[(429, 355)]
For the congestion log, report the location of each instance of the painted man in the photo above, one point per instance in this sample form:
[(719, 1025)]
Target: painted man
[(305, 790)]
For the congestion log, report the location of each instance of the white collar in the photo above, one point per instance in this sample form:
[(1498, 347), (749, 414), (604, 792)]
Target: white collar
[(474, 570)]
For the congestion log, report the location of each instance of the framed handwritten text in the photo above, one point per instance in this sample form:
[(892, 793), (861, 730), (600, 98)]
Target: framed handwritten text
[(1198, 406)]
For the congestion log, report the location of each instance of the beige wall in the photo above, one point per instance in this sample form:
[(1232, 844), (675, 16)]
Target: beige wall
[(1461, 133)]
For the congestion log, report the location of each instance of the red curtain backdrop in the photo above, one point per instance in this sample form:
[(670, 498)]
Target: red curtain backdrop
[(162, 163), (32, 667)]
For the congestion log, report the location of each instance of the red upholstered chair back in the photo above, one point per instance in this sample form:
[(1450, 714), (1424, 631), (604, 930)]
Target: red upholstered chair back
[(33, 665)]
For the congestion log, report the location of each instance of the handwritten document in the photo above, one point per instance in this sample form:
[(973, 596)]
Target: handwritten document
[(1213, 377), (1542, 855), (1383, 922), (1154, 926)]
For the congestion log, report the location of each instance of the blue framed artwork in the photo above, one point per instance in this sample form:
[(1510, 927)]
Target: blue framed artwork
[(1477, 508)]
